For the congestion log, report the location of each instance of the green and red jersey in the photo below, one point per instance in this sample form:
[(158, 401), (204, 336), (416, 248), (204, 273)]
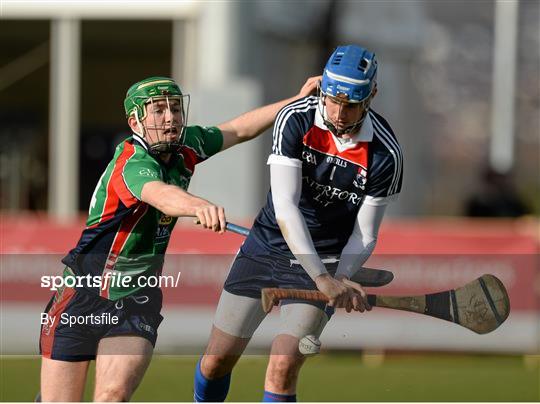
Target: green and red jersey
[(123, 235)]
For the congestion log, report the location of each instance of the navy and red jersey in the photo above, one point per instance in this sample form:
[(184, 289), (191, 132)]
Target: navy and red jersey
[(337, 177)]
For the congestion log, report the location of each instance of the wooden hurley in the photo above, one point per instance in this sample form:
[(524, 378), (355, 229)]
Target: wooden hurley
[(481, 305)]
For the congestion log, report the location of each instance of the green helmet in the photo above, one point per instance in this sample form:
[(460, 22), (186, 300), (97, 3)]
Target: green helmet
[(148, 91), (140, 93)]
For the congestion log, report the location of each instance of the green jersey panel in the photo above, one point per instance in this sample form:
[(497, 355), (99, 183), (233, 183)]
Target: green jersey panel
[(125, 236), (200, 143)]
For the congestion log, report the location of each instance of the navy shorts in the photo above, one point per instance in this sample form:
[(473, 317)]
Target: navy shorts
[(82, 319), (255, 268)]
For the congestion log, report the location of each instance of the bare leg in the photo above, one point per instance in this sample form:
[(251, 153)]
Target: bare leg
[(236, 319), (298, 320), (222, 353), (120, 366), (284, 365), (62, 381)]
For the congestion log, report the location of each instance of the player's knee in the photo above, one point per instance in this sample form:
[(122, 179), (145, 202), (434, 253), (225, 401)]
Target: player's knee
[(216, 366), (113, 393), (283, 371)]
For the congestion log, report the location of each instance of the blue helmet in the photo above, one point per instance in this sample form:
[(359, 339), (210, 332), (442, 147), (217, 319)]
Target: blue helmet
[(352, 71), (350, 74)]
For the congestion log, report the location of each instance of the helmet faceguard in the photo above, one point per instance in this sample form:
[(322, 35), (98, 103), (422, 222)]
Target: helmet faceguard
[(161, 110), (349, 79)]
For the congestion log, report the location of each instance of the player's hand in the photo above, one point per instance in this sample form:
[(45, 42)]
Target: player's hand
[(211, 217), (339, 294), (359, 301), (309, 87)]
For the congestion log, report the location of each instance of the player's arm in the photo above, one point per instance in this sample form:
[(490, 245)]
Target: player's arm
[(253, 123), (359, 247), (286, 184), (174, 201), (383, 188), (362, 240)]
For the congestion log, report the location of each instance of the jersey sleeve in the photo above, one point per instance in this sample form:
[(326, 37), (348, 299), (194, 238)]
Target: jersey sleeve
[(289, 130), (200, 143), (386, 179), (131, 174)]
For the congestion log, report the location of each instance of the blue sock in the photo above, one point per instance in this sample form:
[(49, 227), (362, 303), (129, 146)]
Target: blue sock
[(270, 397), (210, 390)]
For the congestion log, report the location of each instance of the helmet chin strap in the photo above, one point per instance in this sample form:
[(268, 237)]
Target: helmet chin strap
[(162, 147), (353, 128), (340, 132)]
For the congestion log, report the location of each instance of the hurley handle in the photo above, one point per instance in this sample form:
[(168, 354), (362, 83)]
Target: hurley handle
[(271, 296)]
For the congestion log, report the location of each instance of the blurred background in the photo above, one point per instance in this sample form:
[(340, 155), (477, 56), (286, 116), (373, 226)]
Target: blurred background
[(458, 81)]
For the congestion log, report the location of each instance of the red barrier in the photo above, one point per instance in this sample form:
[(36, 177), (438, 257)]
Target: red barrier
[(425, 255), (36, 234)]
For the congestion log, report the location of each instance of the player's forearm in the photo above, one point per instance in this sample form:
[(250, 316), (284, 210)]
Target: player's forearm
[(171, 200), (286, 184), (296, 234), (362, 240), (251, 124), (355, 253)]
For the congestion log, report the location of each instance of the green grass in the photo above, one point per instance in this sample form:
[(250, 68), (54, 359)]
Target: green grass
[(329, 377)]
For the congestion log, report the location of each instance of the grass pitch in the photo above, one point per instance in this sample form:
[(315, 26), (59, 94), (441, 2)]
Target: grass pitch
[(327, 377)]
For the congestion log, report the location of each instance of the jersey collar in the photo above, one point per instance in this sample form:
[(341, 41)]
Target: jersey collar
[(138, 139), (365, 134), (174, 157)]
